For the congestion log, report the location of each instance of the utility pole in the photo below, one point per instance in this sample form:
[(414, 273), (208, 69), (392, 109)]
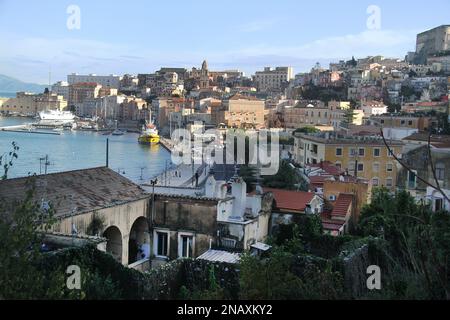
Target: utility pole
[(107, 152)]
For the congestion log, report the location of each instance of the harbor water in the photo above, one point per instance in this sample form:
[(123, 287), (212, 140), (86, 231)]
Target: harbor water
[(73, 150)]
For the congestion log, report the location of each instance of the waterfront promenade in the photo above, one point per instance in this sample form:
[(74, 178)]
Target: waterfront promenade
[(183, 175)]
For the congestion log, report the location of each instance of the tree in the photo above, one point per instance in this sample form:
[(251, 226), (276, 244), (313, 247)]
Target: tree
[(286, 178), (417, 245), (22, 227), (349, 118), (306, 130)]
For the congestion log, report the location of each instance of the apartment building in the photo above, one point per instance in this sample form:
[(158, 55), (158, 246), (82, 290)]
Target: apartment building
[(364, 157), (273, 79), (315, 113), (163, 107), (110, 81), (79, 92), (240, 112)]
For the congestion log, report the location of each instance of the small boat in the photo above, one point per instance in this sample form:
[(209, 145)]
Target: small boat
[(58, 129), (118, 132)]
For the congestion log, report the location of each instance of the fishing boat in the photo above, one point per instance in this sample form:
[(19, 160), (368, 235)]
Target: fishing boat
[(149, 134)]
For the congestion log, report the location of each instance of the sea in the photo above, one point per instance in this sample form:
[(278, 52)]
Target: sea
[(7, 94), (73, 150)]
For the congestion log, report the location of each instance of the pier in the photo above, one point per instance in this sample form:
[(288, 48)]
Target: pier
[(27, 128)]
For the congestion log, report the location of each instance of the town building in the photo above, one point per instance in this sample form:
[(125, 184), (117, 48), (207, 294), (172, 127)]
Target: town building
[(110, 81), (365, 157), (61, 88), (432, 42), (30, 104), (81, 91), (273, 79), (421, 165), (240, 111)]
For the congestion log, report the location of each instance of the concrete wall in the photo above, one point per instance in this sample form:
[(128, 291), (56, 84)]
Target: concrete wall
[(120, 216)]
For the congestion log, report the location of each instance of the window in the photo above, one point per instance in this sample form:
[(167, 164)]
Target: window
[(376, 167), (438, 204), (360, 167), (339, 152), (375, 182), (185, 245), (376, 152), (338, 165), (389, 182), (389, 167), (161, 243), (410, 123), (389, 154), (352, 152), (411, 180), (440, 171), (362, 152)]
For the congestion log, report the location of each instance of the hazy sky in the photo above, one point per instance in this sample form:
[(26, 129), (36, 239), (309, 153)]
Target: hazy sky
[(137, 36)]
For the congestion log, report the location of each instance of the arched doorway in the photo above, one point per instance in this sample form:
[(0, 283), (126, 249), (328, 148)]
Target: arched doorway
[(139, 241), (114, 243)]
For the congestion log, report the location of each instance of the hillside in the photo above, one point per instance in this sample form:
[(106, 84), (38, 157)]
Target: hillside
[(8, 84)]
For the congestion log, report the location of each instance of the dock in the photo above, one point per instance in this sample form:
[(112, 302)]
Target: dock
[(27, 128)]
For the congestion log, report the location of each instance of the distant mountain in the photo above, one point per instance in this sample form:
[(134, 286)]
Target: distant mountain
[(8, 84)]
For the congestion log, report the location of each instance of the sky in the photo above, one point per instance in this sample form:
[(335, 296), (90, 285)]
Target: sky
[(137, 36)]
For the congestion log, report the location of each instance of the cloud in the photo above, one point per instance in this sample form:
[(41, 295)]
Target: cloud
[(257, 25), (30, 58)]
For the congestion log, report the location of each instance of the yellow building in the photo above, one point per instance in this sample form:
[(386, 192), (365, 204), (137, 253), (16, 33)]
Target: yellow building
[(364, 157)]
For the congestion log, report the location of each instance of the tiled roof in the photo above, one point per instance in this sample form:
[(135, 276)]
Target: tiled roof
[(328, 167), (291, 200), (79, 191), (342, 205), (220, 256)]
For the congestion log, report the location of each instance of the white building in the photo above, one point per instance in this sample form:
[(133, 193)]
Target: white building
[(437, 200), (111, 81), (373, 108)]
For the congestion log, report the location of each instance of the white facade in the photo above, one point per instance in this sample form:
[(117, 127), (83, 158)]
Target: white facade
[(374, 110), (111, 81), (437, 200), (61, 88)]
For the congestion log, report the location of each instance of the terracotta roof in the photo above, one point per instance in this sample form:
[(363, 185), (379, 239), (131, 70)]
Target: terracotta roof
[(342, 205), (291, 200), (92, 189), (328, 167), (333, 225), (318, 180)]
